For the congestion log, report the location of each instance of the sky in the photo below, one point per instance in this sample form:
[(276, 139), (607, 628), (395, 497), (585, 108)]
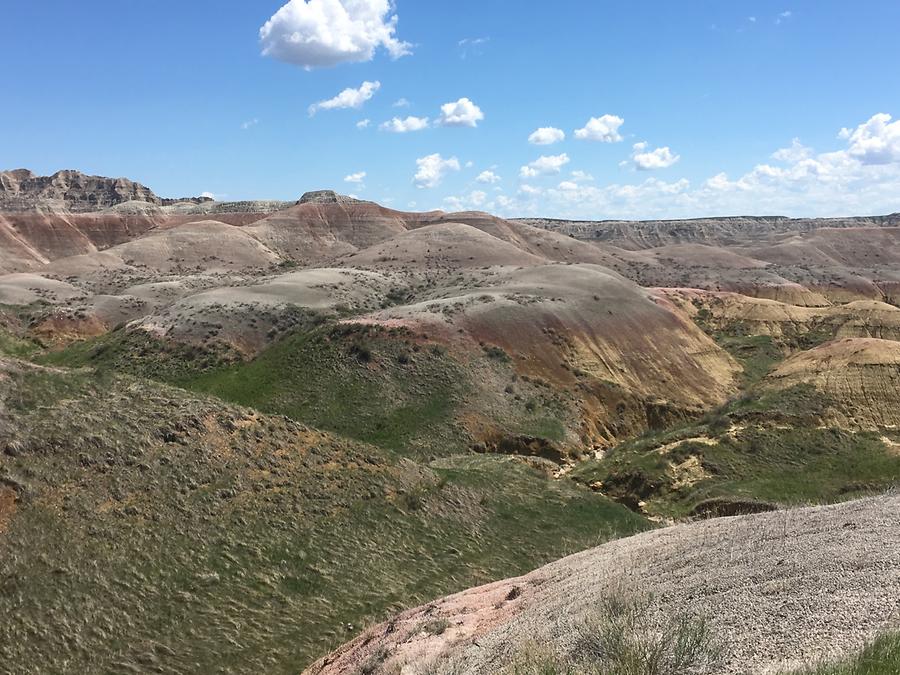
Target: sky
[(566, 109)]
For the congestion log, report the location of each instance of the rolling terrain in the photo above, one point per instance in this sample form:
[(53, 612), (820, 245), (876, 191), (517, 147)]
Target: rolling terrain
[(234, 435)]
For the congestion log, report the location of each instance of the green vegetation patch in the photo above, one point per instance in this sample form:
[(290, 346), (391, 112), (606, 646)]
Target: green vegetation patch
[(156, 529), (756, 451), (362, 382)]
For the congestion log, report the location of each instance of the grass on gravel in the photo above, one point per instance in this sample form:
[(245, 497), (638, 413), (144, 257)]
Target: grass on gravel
[(882, 657), (621, 637)]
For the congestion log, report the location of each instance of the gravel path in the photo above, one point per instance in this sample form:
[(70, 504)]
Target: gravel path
[(780, 590)]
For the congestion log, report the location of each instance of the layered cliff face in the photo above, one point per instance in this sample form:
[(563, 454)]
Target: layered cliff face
[(22, 190)]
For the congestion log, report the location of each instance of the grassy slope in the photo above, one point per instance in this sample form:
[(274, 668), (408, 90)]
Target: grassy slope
[(385, 387), (156, 529)]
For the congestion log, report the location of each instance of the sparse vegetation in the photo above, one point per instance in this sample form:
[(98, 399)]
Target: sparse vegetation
[(882, 657), (624, 637)]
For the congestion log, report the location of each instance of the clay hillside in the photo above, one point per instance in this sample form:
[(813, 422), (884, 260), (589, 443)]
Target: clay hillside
[(280, 424)]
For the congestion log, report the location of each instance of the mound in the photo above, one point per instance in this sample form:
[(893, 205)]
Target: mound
[(627, 362), (820, 571), (860, 378), (733, 313), (444, 245), (245, 315), (24, 289), (313, 231)]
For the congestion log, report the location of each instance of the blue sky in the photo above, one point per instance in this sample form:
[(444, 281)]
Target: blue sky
[(692, 102)]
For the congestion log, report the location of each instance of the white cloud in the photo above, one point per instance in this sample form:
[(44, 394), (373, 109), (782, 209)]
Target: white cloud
[(432, 169), (472, 46), (249, 124), (529, 190), (581, 176), (661, 158), (401, 103), (363, 124), (402, 126), (876, 141), (547, 136), (323, 33), (568, 185), (349, 98), (355, 177), (861, 178), (207, 195), (784, 16), (544, 165), (462, 113), (478, 198), (795, 153), (488, 177), (604, 129)]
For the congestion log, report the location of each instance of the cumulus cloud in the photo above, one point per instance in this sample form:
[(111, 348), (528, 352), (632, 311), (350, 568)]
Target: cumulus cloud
[(648, 160), (356, 178), (207, 195), (604, 129), (349, 98), (861, 177), (545, 164), (363, 124), (488, 177), (477, 199), (547, 136), (580, 176), (461, 113), (874, 142), (432, 169), (323, 33), (796, 152), (401, 103), (402, 126)]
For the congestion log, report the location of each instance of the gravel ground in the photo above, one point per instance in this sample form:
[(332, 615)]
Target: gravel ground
[(780, 589)]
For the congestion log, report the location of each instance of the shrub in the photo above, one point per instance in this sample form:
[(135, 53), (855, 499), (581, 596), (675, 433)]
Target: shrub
[(623, 637)]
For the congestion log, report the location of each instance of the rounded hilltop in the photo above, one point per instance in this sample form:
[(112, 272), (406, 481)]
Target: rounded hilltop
[(328, 197)]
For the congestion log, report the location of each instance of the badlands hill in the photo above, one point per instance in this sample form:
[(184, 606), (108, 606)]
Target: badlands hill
[(275, 423)]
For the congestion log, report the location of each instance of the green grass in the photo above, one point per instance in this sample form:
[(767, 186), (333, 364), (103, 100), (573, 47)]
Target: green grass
[(882, 657), (757, 354), (141, 354), (158, 529), (354, 383), (778, 453), (385, 387)]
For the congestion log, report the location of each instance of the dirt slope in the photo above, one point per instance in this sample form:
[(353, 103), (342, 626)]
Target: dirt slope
[(861, 376)]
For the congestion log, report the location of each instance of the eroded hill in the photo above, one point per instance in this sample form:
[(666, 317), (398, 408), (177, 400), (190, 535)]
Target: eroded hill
[(275, 423)]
